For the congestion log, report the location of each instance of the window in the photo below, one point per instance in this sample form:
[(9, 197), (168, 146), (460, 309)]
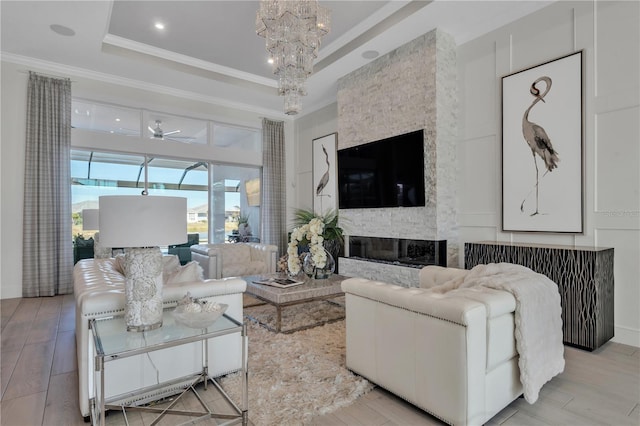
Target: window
[(234, 190), (237, 138), (101, 173), (220, 195), (105, 118), (160, 126)]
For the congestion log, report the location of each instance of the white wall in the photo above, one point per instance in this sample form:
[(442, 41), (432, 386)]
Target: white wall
[(609, 35), (14, 91)]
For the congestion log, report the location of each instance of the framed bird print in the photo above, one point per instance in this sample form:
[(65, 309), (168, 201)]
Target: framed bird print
[(325, 181), (542, 140)]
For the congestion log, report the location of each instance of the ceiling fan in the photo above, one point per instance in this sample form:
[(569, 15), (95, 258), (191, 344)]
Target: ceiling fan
[(158, 133)]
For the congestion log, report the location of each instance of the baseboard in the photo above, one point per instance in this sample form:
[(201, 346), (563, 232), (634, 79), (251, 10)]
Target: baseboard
[(626, 336)]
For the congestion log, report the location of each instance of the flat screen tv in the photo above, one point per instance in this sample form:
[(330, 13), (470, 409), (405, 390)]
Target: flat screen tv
[(385, 173)]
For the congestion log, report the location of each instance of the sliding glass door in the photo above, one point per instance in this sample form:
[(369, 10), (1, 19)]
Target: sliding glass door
[(235, 201)]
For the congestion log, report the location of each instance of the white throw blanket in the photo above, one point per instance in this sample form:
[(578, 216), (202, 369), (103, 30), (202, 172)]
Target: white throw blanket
[(538, 319)]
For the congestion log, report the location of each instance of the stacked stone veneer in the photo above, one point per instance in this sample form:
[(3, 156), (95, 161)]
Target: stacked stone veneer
[(412, 88)]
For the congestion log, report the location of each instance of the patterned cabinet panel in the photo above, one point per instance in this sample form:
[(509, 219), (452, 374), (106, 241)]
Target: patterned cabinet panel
[(585, 281)]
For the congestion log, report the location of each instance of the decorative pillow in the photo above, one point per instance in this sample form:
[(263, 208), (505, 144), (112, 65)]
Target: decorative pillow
[(191, 272), (170, 264), (118, 263)]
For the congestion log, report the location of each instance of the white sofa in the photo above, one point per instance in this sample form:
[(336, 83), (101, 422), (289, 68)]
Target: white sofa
[(99, 292), (453, 356), (235, 260)]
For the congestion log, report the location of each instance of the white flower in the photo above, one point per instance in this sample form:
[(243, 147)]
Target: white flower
[(312, 232)]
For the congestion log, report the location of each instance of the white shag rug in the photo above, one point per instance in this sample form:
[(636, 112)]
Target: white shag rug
[(294, 377)]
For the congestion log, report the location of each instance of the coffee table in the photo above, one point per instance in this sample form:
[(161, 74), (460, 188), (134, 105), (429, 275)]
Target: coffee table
[(312, 290)]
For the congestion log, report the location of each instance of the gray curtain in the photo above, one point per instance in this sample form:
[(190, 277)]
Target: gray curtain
[(273, 209), (47, 261)]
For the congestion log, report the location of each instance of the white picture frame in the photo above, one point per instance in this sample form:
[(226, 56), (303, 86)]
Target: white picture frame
[(324, 174)]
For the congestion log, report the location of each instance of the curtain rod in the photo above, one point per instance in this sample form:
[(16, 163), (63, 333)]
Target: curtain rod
[(46, 75), (271, 119)]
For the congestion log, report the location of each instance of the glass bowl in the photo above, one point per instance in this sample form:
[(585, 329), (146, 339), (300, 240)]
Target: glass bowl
[(202, 319)]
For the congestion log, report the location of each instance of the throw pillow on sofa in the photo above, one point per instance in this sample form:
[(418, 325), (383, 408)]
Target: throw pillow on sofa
[(191, 272), (118, 263), (170, 264)]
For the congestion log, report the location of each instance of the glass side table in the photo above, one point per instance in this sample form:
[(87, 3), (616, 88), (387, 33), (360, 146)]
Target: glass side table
[(113, 342)]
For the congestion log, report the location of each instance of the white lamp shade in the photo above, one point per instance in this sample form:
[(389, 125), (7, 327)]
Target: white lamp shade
[(142, 220), (90, 220)]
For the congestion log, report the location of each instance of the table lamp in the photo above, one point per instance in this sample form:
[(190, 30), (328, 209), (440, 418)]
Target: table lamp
[(90, 220), (139, 224)]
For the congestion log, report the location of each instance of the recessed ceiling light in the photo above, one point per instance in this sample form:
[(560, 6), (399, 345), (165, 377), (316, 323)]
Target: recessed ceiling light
[(117, 119), (370, 54), (159, 25), (62, 30)]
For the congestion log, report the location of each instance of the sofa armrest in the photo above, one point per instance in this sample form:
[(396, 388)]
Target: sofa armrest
[(209, 258)]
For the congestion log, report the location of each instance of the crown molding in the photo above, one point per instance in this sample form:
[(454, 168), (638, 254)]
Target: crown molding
[(54, 68)]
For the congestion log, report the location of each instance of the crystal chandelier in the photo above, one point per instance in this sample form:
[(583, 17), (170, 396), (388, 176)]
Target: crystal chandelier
[(292, 30)]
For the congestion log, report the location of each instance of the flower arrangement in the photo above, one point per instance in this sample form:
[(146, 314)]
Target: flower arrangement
[(312, 230), (283, 263)]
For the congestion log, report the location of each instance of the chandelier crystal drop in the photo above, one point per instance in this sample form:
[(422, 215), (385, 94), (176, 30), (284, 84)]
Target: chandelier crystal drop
[(292, 30)]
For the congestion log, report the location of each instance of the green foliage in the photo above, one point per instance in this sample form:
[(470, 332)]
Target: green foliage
[(331, 229), (80, 241), (243, 218)]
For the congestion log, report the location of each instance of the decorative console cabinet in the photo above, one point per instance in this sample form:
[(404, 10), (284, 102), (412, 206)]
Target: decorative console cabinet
[(584, 276)]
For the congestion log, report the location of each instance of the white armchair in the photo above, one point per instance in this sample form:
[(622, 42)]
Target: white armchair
[(235, 260), (453, 356)]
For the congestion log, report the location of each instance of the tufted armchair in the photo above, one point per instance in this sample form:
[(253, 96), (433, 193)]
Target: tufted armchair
[(235, 260)]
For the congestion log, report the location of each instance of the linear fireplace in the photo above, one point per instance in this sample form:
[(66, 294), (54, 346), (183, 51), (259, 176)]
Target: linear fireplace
[(399, 251)]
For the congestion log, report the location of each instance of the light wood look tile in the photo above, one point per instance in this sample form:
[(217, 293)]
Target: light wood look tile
[(32, 372), (42, 330), (8, 362), (7, 308), (50, 308), (65, 356), (14, 335), (28, 309), (24, 411), (40, 385), (62, 402)]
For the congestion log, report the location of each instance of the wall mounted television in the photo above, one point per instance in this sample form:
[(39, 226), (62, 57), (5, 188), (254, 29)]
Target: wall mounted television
[(384, 173)]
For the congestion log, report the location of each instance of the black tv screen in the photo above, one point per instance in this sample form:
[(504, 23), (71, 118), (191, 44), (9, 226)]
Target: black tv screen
[(385, 173)]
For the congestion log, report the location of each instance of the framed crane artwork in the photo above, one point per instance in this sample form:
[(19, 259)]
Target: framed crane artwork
[(542, 145), (325, 180)]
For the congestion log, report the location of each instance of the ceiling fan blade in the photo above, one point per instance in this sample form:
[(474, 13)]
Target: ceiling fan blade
[(151, 129), (181, 139), (171, 133)]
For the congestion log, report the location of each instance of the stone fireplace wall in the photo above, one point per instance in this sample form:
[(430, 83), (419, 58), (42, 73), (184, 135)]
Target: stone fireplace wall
[(411, 88)]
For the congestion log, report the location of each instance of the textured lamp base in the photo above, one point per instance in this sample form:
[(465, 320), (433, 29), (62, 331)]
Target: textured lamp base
[(143, 289)]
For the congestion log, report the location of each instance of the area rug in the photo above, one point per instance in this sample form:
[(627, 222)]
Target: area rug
[(295, 377)]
